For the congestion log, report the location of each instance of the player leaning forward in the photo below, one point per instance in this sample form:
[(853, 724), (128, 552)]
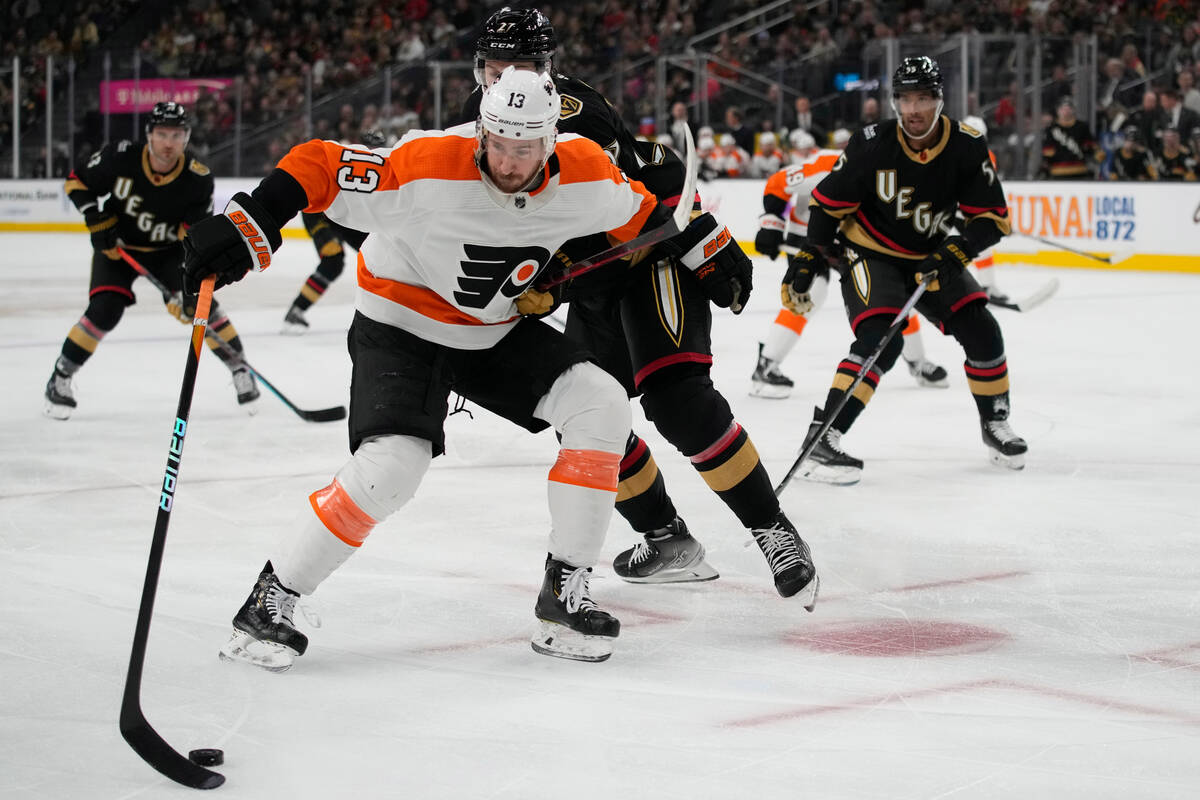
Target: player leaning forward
[(890, 199), (459, 223)]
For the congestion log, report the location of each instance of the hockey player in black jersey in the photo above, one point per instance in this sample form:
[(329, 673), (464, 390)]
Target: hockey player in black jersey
[(141, 196), (330, 240), (648, 323), (880, 218), (1131, 161)]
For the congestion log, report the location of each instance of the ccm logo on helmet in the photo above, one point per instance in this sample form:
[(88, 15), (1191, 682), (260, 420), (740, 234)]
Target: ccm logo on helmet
[(261, 251)]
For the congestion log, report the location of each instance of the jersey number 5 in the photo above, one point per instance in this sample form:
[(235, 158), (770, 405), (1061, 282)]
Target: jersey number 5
[(366, 182)]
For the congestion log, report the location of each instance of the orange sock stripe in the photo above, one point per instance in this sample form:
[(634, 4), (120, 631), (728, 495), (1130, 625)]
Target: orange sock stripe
[(913, 325), (591, 469), (793, 322), (340, 515)]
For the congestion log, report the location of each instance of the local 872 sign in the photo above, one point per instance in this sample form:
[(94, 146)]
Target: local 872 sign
[(1109, 214), (132, 97)]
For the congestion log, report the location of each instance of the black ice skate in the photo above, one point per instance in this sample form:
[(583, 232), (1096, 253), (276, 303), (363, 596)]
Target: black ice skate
[(569, 623), (790, 560), (294, 322), (668, 555), (60, 396), (246, 387), (768, 381), (928, 373), (828, 462), (263, 632), (1005, 448)]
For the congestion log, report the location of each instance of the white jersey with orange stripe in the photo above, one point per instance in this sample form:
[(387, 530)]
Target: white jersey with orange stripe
[(449, 253), (794, 184)]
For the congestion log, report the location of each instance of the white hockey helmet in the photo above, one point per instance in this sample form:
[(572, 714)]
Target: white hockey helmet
[(801, 139), (840, 138), (520, 105), (977, 123)]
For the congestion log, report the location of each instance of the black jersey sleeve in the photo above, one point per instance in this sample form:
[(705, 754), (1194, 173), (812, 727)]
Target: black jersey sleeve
[(981, 197), (93, 179), (201, 204), (840, 193)]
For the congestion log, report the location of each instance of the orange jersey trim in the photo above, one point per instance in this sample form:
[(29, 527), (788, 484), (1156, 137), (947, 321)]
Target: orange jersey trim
[(423, 301)]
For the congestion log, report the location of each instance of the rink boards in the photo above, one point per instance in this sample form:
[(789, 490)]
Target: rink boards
[(1137, 225)]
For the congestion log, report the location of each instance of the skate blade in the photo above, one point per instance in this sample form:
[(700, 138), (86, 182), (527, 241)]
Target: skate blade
[(693, 573), (927, 383), (56, 411), (808, 595), (559, 641), (291, 329), (835, 476), (267, 655), (1016, 462), (250, 407), (770, 392)]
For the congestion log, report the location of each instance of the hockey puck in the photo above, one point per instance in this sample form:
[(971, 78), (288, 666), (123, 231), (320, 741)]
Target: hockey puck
[(207, 757)]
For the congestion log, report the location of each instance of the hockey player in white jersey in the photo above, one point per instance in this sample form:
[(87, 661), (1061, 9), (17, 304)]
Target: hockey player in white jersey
[(461, 222)]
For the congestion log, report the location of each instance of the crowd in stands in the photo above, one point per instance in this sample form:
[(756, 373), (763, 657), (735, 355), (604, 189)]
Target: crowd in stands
[(281, 49)]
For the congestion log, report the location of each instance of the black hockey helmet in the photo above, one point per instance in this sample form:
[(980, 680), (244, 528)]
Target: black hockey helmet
[(1132, 134), (168, 114), (372, 138), (917, 72), (516, 35)]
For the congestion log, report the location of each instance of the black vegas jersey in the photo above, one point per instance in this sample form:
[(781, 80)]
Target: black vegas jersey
[(1137, 166), (586, 112), (152, 209), (886, 198)]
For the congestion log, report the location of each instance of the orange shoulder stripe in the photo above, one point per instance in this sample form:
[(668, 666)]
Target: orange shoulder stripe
[(323, 168), (777, 186)]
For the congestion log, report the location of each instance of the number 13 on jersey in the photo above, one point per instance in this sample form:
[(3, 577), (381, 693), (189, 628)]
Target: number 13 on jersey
[(368, 180)]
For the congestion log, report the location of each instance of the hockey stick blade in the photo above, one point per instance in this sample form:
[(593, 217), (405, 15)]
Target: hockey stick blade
[(332, 414), (154, 750), (1032, 301), (665, 231)]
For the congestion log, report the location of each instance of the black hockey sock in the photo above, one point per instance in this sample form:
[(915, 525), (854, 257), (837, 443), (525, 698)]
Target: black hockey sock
[(731, 468), (988, 381), (642, 497), (314, 288), (221, 330)]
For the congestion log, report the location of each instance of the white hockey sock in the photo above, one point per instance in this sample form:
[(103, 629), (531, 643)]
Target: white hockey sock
[(308, 554), (781, 339), (914, 346)]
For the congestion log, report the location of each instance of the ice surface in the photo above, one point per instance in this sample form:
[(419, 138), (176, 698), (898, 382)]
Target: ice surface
[(981, 634)]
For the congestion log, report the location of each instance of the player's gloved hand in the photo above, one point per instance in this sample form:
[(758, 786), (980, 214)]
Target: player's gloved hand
[(102, 225), (708, 250), (769, 238), (803, 268), (950, 258), (229, 245), (181, 308), (539, 303)]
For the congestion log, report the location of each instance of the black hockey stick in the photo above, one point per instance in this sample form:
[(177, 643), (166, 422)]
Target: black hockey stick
[(135, 728), (672, 227), (332, 414), (1031, 302), (897, 324)]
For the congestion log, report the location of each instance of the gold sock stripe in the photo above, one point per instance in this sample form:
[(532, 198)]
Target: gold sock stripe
[(988, 388), (733, 470), (862, 393), (82, 338), (639, 482)]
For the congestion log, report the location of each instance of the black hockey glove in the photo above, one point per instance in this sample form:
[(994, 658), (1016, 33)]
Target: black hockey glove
[(802, 269), (953, 255), (708, 249), (769, 238), (102, 225), (229, 245)]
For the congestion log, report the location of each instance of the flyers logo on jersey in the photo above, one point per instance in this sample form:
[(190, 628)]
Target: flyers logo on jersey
[(258, 244), (488, 271)]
